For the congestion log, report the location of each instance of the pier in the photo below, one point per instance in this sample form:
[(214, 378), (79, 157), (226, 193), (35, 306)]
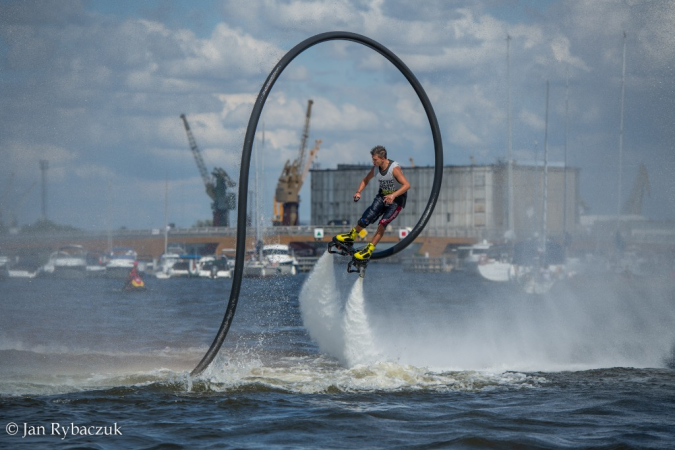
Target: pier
[(149, 244), (428, 264)]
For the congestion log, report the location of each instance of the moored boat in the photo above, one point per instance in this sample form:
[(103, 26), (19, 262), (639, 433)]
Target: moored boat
[(537, 265), (271, 260), (120, 262), (495, 265), (69, 261), (495, 269), (468, 256), (212, 267), (165, 265), (4, 266)]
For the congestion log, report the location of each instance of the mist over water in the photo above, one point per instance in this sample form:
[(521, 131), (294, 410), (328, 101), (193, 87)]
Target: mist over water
[(456, 322), (566, 330)]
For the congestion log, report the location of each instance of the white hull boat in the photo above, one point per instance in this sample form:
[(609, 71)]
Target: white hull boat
[(120, 261), (493, 270), (165, 265), (469, 256), (69, 261), (210, 267), (277, 260)]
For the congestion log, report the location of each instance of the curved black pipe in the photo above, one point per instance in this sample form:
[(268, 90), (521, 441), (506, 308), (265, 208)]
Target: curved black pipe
[(246, 162)]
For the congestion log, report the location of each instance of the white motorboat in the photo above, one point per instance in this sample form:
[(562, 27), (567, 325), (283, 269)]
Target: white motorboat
[(120, 261), (272, 260), (495, 269), (186, 266), (281, 257), (95, 264), (4, 266), (495, 265), (468, 256), (22, 273), (180, 269), (68, 261), (165, 265), (212, 267), (22, 268)]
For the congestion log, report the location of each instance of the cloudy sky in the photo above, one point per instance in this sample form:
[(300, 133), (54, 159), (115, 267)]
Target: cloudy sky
[(96, 88)]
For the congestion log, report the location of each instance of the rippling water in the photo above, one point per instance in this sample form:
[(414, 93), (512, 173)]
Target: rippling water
[(327, 361)]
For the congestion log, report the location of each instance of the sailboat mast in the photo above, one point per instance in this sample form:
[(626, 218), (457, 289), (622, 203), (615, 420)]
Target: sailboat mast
[(109, 217), (567, 108), (166, 214), (623, 91), (545, 189), (510, 149), (258, 237)]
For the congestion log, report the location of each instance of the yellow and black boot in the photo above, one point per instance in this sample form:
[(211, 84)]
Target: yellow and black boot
[(346, 238), (365, 253)]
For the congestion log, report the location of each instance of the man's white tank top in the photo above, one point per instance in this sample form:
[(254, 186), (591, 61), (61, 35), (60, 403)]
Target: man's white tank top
[(387, 182)]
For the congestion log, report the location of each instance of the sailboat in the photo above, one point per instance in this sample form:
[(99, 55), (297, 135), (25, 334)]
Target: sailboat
[(539, 262), (267, 260), (496, 265), (168, 258), (536, 263)]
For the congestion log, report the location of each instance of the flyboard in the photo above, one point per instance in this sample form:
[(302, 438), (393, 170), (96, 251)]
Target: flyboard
[(344, 249), (347, 249)]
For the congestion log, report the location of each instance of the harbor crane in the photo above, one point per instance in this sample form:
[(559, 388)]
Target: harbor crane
[(216, 185), (287, 195)]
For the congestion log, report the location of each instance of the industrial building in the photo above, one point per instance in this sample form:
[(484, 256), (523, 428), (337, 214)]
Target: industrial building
[(473, 201)]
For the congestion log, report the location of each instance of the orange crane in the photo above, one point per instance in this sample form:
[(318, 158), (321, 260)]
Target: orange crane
[(216, 185), (287, 195)]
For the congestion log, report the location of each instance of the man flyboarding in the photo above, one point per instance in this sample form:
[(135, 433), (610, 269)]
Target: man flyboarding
[(390, 199)]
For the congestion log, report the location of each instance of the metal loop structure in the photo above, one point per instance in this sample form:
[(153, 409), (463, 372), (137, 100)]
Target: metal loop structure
[(246, 162)]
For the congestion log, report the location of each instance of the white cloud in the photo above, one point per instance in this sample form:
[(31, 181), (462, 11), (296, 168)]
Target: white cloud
[(532, 120), (94, 172), (342, 118), (560, 46)]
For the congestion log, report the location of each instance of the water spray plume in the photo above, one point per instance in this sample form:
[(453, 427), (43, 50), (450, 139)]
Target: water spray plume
[(320, 307), (359, 345)]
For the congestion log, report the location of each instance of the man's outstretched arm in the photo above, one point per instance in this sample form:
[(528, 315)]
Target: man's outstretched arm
[(363, 185)]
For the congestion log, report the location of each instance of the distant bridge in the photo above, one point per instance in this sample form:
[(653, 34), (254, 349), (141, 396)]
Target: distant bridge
[(149, 244)]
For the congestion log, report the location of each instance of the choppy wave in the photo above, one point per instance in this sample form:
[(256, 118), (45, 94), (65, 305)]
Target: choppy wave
[(47, 370), (322, 375), (310, 374)]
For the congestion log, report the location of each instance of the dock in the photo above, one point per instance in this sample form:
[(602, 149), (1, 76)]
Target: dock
[(306, 263), (427, 264)]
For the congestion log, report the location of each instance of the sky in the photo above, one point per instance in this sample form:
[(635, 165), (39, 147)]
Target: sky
[(96, 88)]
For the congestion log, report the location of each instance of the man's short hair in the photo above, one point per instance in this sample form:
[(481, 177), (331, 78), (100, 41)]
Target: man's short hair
[(380, 151)]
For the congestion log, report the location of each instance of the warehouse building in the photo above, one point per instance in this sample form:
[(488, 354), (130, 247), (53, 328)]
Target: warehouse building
[(473, 201)]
